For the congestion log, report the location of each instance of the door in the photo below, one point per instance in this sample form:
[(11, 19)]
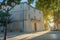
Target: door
[(35, 27), (2, 29), (21, 26), (11, 27)]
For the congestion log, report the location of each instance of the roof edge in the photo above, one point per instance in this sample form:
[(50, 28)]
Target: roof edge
[(30, 5)]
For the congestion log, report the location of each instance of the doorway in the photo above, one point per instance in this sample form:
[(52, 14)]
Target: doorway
[(35, 28), (21, 26)]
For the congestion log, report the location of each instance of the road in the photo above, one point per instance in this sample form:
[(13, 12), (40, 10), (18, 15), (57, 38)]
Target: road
[(22, 36), (53, 35), (45, 35)]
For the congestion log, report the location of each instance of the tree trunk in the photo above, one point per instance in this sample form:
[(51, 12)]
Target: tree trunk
[(5, 31)]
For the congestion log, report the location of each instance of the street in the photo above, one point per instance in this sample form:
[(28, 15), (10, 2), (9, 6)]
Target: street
[(45, 35), (53, 35)]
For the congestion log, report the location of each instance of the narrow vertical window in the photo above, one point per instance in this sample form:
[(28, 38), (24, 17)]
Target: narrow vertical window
[(34, 10), (28, 8), (29, 16)]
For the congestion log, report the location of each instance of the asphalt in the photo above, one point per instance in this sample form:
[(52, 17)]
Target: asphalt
[(44, 35), (22, 36), (52, 35)]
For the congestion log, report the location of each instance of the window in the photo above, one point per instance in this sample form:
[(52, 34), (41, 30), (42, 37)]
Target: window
[(40, 18), (11, 26), (28, 15), (2, 28), (28, 8), (12, 16), (21, 15), (34, 17), (21, 27), (21, 6), (34, 10), (39, 12)]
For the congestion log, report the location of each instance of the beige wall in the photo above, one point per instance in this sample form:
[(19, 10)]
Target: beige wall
[(28, 24), (59, 26)]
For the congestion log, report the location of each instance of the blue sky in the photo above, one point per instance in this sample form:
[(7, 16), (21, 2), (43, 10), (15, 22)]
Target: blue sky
[(1, 0), (31, 4), (23, 1)]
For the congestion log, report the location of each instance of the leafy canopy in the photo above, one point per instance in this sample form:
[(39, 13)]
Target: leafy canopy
[(5, 17)]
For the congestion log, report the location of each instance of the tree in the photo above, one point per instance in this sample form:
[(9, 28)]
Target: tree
[(30, 1), (15, 1), (5, 15), (5, 20), (57, 18), (48, 5)]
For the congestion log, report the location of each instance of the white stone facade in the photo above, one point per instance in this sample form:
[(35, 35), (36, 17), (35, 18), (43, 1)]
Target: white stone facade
[(26, 18)]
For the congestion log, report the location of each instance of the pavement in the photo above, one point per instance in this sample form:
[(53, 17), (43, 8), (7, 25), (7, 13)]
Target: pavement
[(44, 35), (52, 35), (23, 36)]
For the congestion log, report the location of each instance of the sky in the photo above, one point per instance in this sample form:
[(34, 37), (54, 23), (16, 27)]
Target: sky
[(23, 1), (26, 1), (1, 0)]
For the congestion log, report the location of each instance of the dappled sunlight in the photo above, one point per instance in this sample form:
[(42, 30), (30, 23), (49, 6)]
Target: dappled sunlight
[(37, 34), (51, 24), (30, 35)]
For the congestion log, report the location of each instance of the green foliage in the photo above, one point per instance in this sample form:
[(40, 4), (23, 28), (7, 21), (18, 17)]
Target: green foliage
[(15, 1), (10, 1), (47, 6), (30, 1), (5, 17), (57, 16)]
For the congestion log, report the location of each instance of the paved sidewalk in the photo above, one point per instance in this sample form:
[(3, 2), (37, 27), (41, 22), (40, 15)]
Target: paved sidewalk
[(23, 36)]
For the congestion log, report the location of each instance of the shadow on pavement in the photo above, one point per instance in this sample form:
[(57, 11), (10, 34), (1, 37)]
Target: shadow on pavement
[(52, 35), (11, 34)]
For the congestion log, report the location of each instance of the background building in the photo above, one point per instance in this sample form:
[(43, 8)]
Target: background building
[(26, 19)]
